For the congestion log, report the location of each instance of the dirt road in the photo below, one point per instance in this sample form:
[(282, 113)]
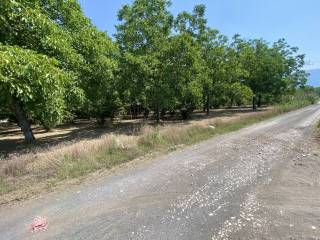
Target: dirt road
[(262, 182)]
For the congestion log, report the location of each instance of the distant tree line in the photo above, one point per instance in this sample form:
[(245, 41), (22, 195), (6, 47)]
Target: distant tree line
[(56, 65), (317, 90)]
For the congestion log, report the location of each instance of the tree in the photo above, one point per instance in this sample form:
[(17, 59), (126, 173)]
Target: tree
[(97, 76), (143, 32), (239, 94), (24, 25), (212, 49), (33, 86), (100, 58), (181, 71), (271, 71)]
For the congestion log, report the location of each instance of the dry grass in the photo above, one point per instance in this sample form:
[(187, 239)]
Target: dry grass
[(29, 173), (317, 133)]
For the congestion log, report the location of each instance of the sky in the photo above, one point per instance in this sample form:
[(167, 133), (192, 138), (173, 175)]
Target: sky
[(298, 21)]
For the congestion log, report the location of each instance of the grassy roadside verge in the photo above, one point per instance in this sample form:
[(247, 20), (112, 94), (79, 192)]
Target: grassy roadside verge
[(29, 174), (318, 133)]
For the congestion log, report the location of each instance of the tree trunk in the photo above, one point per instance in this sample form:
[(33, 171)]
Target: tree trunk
[(158, 114), (259, 100), (204, 101), (208, 105), (23, 122), (101, 119), (254, 103), (231, 102), (146, 113)]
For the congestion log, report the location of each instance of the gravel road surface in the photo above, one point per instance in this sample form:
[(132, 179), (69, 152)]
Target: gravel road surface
[(262, 182)]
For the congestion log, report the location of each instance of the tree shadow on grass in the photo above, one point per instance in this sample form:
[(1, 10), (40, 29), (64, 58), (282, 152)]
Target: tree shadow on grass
[(12, 142)]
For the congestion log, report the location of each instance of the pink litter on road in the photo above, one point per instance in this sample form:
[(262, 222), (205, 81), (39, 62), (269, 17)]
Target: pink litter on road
[(39, 223)]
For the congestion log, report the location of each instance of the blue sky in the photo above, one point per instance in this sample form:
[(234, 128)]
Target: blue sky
[(297, 21)]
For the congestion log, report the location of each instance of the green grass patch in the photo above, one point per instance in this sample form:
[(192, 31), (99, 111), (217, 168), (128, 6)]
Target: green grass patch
[(75, 166), (116, 156), (5, 187)]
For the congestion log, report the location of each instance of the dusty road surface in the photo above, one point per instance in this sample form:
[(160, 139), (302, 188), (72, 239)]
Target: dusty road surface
[(262, 182)]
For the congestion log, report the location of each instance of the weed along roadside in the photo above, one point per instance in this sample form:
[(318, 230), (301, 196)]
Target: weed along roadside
[(29, 174)]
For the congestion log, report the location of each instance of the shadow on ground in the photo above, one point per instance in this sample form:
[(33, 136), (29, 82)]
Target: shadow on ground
[(12, 142)]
